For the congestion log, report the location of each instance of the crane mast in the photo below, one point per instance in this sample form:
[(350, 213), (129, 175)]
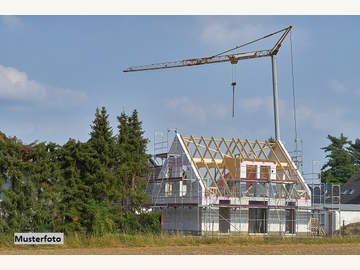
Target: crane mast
[(233, 59)]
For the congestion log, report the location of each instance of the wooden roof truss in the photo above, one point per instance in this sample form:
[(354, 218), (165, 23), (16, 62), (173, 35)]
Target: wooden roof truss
[(215, 162)]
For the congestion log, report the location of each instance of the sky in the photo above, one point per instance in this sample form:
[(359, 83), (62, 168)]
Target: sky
[(55, 71)]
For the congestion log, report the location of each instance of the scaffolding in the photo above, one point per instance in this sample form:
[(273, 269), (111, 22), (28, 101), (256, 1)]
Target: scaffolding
[(170, 192), (326, 208), (232, 218), (202, 189)]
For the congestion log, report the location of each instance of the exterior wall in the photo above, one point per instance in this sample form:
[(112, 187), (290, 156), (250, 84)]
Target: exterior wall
[(205, 220), (303, 221), (182, 192), (348, 217), (183, 219), (333, 220), (209, 220), (330, 220), (276, 221), (239, 220), (179, 173)]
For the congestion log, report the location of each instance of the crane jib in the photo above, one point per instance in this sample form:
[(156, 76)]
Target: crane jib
[(233, 58), (221, 57)]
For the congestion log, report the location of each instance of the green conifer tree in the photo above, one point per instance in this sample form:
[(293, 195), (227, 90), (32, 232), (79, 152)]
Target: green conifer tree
[(101, 177), (101, 136), (132, 170), (354, 150), (339, 167), (139, 161), (123, 166)]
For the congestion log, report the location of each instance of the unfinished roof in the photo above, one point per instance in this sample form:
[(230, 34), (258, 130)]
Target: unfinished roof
[(350, 191), (217, 162)]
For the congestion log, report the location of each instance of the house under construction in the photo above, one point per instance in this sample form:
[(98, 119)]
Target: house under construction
[(208, 186)]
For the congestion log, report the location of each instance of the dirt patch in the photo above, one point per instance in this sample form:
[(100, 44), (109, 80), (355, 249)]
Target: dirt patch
[(279, 249), (352, 229)]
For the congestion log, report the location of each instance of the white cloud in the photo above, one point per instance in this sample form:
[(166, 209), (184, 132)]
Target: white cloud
[(313, 115), (263, 105), (341, 88), (15, 86), (357, 92), (338, 87), (195, 111), (12, 22), (327, 118), (225, 33), (256, 104)]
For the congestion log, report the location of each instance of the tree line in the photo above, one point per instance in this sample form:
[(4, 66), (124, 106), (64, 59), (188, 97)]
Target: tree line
[(343, 159), (98, 186), (92, 187)]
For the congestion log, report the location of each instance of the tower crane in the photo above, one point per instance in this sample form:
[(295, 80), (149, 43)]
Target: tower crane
[(233, 58)]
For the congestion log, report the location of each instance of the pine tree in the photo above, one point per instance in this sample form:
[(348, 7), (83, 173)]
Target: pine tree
[(138, 145), (45, 175), (123, 170), (100, 177), (138, 161), (123, 136), (339, 167), (354, 150), (101, 136), (132, 170), (76, 163)]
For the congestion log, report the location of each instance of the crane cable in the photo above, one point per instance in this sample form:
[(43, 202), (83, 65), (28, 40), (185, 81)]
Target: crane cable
[(250, 42), (233, 84), (293, 91)]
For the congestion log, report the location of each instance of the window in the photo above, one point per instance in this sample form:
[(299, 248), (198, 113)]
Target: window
[(264, 172), (234, 186), (184, 174), (251, 171), (260, 190), (243, 188), (182, 189), (250, 189), (168, 189)]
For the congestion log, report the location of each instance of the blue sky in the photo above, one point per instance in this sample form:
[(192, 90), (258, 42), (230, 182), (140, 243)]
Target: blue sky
[(55, 70)]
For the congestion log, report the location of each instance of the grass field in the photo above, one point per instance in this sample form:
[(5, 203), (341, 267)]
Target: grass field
[(178, 244)]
